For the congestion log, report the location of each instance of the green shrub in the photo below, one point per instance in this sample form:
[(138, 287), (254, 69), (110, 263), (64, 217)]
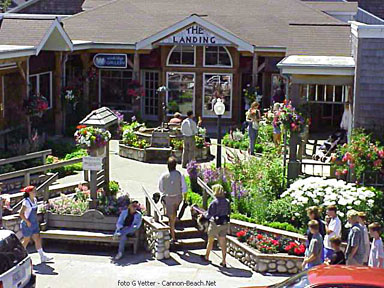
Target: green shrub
[(282, 226), (241, 217), (282, 210), (114, 187), (6, 168), (193, 198), (69, 169)]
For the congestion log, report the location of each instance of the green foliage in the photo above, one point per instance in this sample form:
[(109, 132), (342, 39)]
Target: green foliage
[(282, 226), (200, 142), (69, 169), (282, 210), (177, 144), (265, 133), (6, 168), (129, 137), (60, 149), (114, 187), (193, 198)]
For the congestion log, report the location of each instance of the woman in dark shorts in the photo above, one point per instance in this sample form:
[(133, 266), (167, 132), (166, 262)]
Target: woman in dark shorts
[(218, 216)]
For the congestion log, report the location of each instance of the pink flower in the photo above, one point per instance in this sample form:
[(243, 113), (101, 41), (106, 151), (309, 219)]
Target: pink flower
[(381, 153), (351, 165), (337, 173), (345, 171), (377, 163)]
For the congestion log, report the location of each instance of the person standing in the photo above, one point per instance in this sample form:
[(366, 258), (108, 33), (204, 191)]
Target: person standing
[(253, 117), (314, 255), (189, 130), (218, 216), (129, 221), (376, 255), (29, 223), (355, 250), (276, 124), (365, 236), (332, 229), (338, 257), (172, 185)]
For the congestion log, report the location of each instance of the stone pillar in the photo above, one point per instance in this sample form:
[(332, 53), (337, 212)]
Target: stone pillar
[(58, 110)]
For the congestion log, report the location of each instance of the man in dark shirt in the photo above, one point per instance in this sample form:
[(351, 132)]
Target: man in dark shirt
[(338, 257)]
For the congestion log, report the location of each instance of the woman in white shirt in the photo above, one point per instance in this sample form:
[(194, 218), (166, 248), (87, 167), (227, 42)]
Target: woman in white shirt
[(29, 224)]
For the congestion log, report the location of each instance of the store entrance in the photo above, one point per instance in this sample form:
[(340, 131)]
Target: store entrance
[(150, 101)]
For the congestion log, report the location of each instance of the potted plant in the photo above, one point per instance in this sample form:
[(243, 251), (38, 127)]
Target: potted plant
[(93, 139), (36, 105)]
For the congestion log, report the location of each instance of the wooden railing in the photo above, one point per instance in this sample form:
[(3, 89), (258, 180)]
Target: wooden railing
[(26, 173), (207, 192), (40, 154), (150, 206), (316, 169)]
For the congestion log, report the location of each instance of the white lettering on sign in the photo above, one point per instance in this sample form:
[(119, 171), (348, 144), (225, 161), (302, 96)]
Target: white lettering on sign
[(92, 163), (194, 35)]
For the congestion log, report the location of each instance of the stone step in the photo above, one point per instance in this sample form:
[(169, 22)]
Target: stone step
[(183, 223), (188, 232), (191, 243)]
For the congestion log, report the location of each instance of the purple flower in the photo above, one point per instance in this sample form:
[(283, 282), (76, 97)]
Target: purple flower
[(193, 169), (210, 175), (238, 189)]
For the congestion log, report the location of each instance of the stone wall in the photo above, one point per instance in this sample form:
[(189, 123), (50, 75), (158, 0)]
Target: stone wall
[(157, 238), (12, 222), (263, 263)]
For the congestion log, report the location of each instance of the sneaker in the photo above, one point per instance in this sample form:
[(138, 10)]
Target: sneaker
[(119, 256), (46, 258)]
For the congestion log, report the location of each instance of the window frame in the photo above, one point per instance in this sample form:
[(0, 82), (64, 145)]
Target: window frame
[(100, 87), (194, 90), (218, 66), (203, 95), (181, 65), (37, 75)]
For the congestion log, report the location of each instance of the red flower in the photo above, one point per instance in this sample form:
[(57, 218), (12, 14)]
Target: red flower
[(275, 242), (80, 127), (241, 233), (259, 236)]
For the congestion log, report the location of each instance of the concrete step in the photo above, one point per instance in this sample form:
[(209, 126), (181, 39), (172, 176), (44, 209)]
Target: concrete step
[(183, 223), (190, 244), (187, 233)]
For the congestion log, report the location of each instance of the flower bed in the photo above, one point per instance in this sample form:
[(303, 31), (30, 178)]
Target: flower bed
[(266, 249)]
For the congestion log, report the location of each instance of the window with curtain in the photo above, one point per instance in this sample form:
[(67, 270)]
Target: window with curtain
[(181, 93), (217, 86), (217, 56), (182, 56)]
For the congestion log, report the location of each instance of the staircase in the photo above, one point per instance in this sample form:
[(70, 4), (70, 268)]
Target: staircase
[(188, 237)]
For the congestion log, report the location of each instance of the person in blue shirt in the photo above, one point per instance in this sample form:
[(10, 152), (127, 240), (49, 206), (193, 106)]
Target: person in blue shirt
[(129, 221)]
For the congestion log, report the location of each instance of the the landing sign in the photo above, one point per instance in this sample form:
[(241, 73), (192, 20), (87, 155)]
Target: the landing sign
[(194, 35)]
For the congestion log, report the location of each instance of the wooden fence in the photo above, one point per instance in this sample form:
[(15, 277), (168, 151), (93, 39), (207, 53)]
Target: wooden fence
[(34, 155)]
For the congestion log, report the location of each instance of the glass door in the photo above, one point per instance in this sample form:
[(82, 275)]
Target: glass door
[(150, 103)]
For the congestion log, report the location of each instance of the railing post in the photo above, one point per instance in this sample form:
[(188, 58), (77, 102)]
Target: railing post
[(27, 179), (148, 206), (205, 199), (86, 175)]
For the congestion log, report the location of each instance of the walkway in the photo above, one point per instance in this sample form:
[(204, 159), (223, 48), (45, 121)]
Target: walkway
[(73, 264)]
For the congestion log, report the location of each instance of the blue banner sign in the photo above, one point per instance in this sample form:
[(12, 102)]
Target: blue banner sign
[(110, 61)]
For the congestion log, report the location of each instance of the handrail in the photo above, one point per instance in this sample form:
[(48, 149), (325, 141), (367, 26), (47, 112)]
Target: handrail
[(28, 156), (27, 172), (149, 203), (207, 191)]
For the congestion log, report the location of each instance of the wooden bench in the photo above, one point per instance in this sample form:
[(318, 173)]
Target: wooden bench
[(92, 226)]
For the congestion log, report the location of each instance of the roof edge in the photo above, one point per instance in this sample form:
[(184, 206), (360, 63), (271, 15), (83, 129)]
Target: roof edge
[(22, 6)]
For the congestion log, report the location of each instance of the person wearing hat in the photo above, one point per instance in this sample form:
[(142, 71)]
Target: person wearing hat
[(129, 221), (29, 224), (365, 232), (176, 120), (355, 250)]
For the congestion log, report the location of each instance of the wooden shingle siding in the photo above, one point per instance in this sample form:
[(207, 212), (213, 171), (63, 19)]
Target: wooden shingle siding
[(369, 97), (67, 7)]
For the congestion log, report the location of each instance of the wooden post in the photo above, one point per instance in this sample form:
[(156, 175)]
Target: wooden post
[(58, 75), (136, 66), (106, 169), (86, 65), (93, 184), (27, 179), (205, 199), (22, 66), (255, 66)]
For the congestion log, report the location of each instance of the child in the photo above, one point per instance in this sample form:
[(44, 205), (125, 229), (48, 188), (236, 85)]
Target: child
[(315, 249), (365, 236), (338, 257), (376, 255)]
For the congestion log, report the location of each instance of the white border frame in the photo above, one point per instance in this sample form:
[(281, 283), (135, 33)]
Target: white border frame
[(100, 96), (38, 85), (142, 102), (217, 66), (111, 67), (203, 95), (194, 89), (181, 65)]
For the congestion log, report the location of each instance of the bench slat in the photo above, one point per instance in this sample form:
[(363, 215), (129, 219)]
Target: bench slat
[(81, 236)]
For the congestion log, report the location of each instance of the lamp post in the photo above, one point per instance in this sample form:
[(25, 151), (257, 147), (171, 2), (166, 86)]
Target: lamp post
[(162, 90), (219, 109)]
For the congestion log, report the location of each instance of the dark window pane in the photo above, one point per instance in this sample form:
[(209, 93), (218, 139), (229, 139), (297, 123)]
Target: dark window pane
[(175, 58), (188, 58), (45, 87)]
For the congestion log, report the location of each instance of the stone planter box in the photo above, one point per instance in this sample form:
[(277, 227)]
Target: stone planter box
[(263, 263), (132, 153)]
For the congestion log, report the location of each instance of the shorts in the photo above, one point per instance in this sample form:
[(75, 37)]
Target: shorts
[(217, 230), (172, 204), (29, 231)]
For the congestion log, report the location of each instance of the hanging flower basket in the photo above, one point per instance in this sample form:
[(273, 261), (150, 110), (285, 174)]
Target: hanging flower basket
[(135, 90), (92, 138), (36, 105), (291, 119)]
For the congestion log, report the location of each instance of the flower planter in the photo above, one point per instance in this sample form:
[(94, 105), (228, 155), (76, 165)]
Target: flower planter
[(263, 263), (132, 153)]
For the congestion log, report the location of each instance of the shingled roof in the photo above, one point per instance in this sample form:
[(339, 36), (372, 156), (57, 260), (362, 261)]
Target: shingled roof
[(262, 23), (327, 6)]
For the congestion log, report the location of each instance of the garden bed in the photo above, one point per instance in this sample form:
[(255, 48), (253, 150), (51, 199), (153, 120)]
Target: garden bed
[(138, 154), (263, 263)]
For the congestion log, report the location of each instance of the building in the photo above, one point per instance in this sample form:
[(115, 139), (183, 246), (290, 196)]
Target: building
[(200, 51)]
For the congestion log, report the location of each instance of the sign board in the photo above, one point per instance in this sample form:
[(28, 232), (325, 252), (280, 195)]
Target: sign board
[(194, 35), (103, 60), (92, 163)]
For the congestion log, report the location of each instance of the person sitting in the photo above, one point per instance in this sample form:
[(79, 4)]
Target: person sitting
[(176, 120), (129, 221), (338, 257)]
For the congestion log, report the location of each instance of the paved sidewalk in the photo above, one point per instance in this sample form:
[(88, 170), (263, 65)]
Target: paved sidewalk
[(96, 269)]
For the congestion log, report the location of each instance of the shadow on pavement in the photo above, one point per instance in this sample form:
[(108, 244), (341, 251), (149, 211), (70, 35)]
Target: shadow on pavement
[(44, 269), (130, 259), (234, 272), (191, 257)]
